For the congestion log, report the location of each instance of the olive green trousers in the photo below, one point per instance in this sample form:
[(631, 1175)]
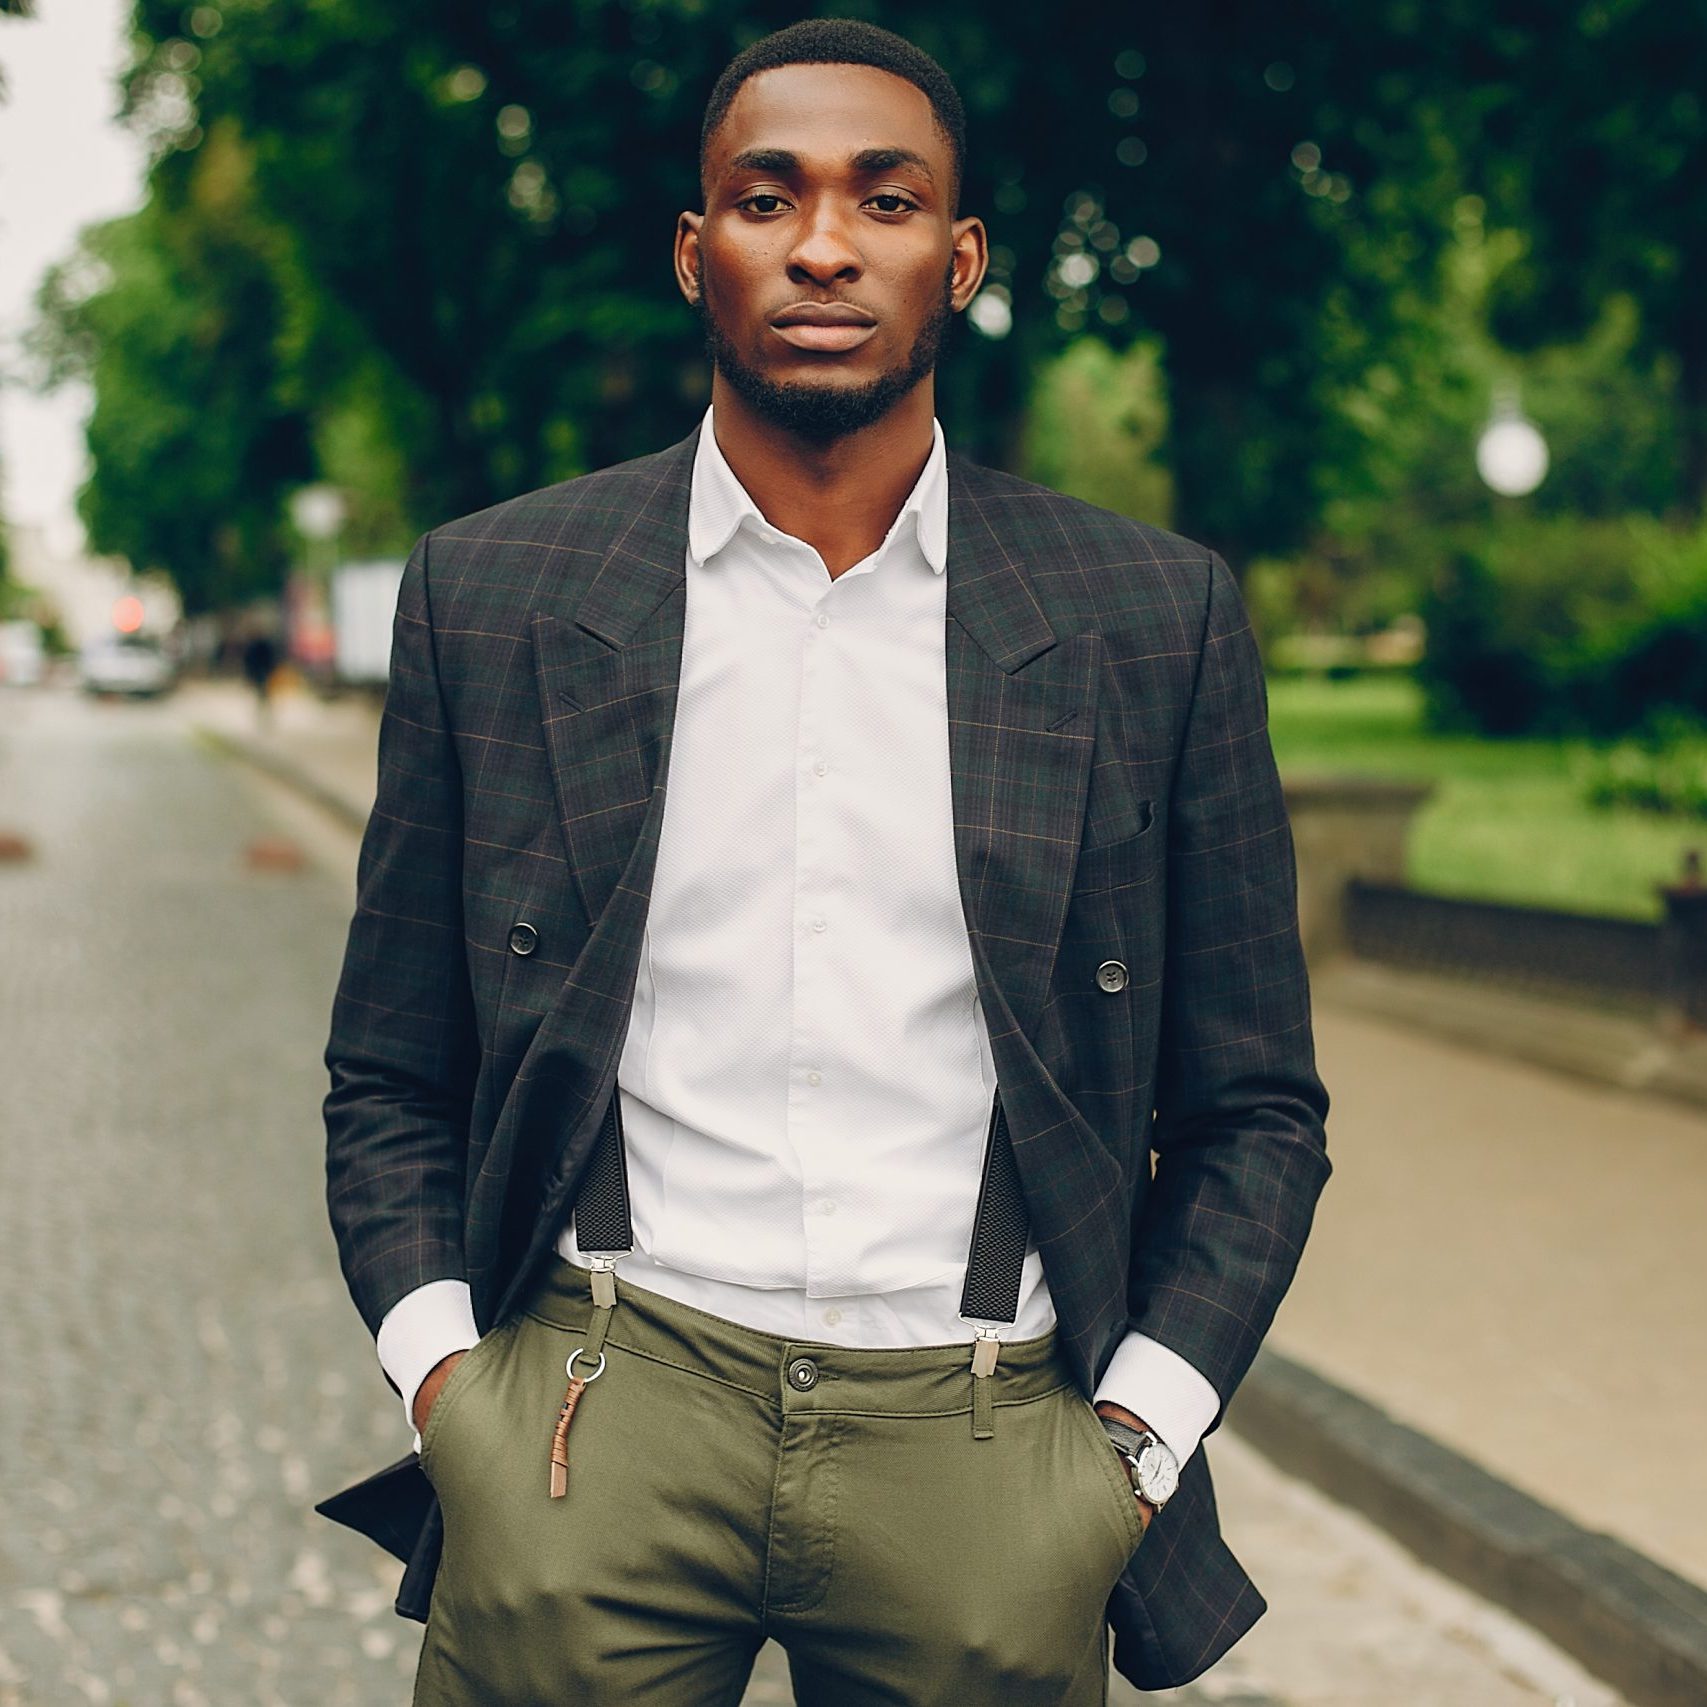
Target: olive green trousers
[(726, 1485)]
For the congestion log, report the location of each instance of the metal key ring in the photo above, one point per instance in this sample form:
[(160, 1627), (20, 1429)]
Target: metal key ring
[(569, 1367)]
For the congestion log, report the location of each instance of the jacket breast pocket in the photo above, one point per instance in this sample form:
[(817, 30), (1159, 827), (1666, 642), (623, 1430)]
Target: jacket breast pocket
[(1131, 858)]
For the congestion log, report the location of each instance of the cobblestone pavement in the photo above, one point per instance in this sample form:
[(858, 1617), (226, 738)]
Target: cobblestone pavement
[(184, 1372)]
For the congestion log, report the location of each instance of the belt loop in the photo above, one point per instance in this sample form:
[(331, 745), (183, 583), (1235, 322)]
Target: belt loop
[(604, 1300), (986, 1349)]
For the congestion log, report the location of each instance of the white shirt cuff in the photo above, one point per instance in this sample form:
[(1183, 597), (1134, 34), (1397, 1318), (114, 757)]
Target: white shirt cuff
[(422, 1328), (1154, 1382)]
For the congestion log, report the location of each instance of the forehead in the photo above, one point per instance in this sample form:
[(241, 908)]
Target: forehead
[(826, 113)]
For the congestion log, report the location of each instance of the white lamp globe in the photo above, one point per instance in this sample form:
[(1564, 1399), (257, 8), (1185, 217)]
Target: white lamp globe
[(318, 511), (1511, 455), (992, 313)]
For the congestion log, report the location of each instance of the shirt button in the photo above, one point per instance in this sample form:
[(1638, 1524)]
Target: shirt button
[(819, 768), (814, 1077), (823, 619), (826, 1207), (831, 1317), (820, 924)]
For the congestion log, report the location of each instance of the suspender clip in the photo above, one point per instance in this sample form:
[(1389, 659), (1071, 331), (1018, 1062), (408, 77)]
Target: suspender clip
[(986, 1348), (604, 1277)]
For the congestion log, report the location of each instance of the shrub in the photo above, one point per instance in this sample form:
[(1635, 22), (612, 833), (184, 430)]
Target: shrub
[(1663, 772), (1567, 626)]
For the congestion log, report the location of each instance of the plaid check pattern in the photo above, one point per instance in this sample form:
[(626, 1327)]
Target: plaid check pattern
[(1115, 798)]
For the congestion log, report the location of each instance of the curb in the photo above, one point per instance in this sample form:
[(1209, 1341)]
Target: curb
[(292, 775), (1632, 1622), (1620, 1051)]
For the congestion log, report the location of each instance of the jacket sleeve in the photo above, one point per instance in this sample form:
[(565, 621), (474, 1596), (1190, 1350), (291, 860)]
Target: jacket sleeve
[(1239, 1128), (403, 1051)]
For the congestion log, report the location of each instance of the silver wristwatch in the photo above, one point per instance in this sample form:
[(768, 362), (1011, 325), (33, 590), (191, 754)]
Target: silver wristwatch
[(1153, 1468)]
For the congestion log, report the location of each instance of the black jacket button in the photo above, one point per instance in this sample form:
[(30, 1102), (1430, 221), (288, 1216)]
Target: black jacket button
[(524, 939), (1111, 976)]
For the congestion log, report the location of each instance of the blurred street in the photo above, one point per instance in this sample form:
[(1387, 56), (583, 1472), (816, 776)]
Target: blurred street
[(185, 1373)]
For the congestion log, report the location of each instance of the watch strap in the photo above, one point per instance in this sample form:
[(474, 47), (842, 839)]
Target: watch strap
[(1127, 1438)]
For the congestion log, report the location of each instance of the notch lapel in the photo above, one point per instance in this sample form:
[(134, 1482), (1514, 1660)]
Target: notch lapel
[(607, 681), (1021, 729)]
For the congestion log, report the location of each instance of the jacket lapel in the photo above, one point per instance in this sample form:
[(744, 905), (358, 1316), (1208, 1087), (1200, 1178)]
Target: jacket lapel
[(607, 680), (1021, 728)]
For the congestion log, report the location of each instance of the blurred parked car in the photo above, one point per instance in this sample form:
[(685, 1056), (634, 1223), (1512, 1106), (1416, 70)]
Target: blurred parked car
[(23, 660), (133, 664)]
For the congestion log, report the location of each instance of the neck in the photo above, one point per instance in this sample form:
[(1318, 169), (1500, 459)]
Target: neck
[(841, 497)]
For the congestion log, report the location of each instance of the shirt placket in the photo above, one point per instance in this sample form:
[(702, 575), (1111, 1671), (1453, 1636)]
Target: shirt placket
[(813, 1095)]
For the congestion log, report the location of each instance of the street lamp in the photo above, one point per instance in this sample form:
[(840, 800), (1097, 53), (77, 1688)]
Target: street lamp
[(318, 511), (1511, 455)]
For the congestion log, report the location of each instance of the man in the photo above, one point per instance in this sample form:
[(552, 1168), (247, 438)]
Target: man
[(970, 890)]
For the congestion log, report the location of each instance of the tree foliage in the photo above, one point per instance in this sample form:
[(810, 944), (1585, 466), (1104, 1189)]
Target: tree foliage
[(1598, 153), (480, 200), (175, 315), (450, 259)]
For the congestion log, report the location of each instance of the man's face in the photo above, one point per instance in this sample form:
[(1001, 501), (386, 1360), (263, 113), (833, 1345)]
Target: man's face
[(826, 265)]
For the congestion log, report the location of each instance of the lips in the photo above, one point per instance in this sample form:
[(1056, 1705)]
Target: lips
[(832, 326), (823, 314)]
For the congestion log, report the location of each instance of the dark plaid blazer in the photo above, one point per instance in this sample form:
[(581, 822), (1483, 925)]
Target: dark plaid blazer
[(1115, 797)]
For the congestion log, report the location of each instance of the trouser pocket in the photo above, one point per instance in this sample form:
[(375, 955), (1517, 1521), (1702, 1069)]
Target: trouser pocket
[(1113, 1470), (463, 1374)]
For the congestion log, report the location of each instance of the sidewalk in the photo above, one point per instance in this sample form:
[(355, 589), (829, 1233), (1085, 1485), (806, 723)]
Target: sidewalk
[(324, 748), (1507, 1259)]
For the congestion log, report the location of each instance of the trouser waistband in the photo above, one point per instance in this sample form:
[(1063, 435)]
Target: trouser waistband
[(927, 1380)]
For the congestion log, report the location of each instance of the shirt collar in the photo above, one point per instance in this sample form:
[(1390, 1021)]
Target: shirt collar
[(718, 503)]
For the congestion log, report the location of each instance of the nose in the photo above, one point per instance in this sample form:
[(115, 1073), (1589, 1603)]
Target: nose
[(825, 251)]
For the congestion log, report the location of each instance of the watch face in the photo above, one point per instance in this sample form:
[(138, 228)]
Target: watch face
[(1158, 1474)]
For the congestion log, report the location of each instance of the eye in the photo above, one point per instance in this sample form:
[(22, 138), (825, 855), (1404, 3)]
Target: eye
[(752, 202), (899, 203)]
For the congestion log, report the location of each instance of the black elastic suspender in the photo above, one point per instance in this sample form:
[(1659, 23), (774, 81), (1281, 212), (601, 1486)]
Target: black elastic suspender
[(1000, 1228), (603, 1221)]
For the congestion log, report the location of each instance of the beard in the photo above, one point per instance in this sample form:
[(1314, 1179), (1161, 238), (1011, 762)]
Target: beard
[(821, 414)]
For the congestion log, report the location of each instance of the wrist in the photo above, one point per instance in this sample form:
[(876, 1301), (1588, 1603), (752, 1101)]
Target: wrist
[(1109, 1411), (428, 1391), (1146, 1458)]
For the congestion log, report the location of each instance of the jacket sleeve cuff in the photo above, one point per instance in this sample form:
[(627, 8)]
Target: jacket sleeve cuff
[(422, 1328), (1154, 1382)]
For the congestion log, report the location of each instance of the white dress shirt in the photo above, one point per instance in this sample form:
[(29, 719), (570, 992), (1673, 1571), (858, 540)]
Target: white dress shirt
[(806, 1080)]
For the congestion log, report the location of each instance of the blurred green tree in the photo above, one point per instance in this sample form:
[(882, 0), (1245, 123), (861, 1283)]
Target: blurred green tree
[(1595, 144), (175, 316), (480, 201)]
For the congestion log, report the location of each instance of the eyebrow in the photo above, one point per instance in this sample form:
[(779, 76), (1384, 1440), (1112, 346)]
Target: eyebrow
[(784, 162)]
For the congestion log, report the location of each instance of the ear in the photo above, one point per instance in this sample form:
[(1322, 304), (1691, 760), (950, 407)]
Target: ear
[(971, 259), (687, 254)]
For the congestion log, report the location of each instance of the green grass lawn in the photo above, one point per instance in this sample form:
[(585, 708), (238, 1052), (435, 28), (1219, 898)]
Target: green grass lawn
[(1507, 821)]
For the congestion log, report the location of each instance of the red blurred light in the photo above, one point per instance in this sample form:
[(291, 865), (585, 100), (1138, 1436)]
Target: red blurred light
[(127, 614)]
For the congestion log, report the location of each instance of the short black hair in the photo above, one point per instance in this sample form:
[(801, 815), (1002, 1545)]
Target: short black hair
[(843, 41)]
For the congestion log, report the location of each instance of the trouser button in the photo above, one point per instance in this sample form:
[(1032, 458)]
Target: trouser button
[(803, 1375)]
